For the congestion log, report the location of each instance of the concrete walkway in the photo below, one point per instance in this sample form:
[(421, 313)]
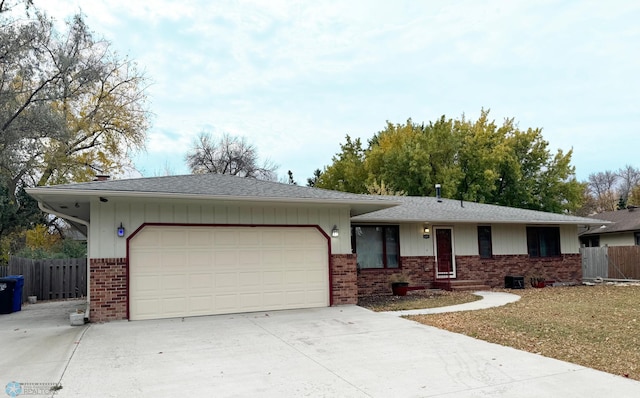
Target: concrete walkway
[(489, 300)]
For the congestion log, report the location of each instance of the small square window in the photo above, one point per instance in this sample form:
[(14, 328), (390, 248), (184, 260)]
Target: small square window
[(543, 241)]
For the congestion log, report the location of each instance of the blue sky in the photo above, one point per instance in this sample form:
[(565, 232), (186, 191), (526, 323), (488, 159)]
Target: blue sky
[(294, 77)]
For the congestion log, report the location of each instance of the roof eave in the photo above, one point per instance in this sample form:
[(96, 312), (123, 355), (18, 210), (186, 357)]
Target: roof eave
[(40, 193), (477, 221)]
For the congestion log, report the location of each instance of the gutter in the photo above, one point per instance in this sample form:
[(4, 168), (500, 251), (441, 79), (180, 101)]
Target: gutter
[(382, 201), (43, 207)]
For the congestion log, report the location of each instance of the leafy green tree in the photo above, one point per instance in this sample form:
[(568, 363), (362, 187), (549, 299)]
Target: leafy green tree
[(475, 160), (312, 181), (69, 107), (347, 173)]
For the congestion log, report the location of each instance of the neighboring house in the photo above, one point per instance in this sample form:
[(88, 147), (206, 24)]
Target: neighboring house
[(207, 244), (623, 229)]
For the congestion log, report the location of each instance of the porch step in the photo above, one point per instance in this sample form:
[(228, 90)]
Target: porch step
[(461, 285)]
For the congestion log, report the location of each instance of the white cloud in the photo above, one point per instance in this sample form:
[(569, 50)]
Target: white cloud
[(295, 77)]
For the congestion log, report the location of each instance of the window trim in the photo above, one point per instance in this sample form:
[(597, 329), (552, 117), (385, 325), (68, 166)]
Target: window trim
[(490, 241), (543, 231), (384, 246)]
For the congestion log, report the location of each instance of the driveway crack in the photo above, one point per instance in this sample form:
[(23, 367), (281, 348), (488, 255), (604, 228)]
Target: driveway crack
[(77, 344)]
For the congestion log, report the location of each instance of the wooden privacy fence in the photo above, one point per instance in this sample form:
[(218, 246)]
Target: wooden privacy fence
[(613, 262), (50, 279)]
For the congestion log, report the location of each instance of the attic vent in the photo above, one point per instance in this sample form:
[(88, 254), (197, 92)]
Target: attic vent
[(101, 177)]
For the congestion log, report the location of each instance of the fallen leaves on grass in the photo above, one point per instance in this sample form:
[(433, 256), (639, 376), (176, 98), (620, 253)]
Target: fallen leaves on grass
[(416, 299), (593, 326)]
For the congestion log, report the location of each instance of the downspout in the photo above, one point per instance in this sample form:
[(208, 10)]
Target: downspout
[(42, 207)]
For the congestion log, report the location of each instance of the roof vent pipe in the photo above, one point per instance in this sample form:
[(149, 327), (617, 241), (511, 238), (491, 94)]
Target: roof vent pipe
[(438, 192)]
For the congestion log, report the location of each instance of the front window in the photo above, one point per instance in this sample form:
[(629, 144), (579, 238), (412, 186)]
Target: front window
[(637, 238), (543, 241), (376, 246), (484, 241)]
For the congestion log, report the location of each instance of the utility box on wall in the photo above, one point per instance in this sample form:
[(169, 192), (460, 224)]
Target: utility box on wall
[(514, 282)]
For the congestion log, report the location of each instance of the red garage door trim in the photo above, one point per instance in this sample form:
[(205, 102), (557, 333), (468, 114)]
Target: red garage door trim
[(327, 237)]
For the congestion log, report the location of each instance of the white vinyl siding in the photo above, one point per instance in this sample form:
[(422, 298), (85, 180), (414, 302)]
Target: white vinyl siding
[(106, 217), (506, 239), (412, 242), (569, 242), (466, 238), (622, 239), (509, 239)]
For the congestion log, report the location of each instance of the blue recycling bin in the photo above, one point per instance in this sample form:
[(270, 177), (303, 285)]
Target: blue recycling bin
[(7, 287), (17, 292)]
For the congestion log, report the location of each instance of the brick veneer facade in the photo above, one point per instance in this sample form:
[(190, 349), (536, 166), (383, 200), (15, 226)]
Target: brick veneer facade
[(376, 281), (108, 287), (344, 282), (565, 268), (108, 277)]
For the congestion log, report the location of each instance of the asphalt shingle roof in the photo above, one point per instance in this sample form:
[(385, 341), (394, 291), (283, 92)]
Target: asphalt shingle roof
[(364, 208), (429, 209), (621, 221), (212, 185)]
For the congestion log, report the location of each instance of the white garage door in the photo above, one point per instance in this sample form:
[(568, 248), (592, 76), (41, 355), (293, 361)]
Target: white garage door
[(178, 271)]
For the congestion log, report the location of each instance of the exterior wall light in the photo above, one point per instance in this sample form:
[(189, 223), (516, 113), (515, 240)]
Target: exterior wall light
[(335, 232), (425, 232), (120, 231)]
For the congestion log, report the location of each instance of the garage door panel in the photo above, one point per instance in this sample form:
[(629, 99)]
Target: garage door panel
[(173, 238), (251, 279), (272, 278), (200, 281), (174, 306), (270, 239), (147, 283), (199, 238), (221, 270), (199, 259), (145, 308), (271, 257), (171, 259), (225, 257), (293, 277), (224, 303), (249, 257), (249, 236)]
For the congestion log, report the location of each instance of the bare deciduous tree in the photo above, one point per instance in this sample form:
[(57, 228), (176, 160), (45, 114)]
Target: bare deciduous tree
[(629, 178), (229, 155), (603, 188)]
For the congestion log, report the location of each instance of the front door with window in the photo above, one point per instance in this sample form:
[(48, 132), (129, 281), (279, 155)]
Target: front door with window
[(445, 259)]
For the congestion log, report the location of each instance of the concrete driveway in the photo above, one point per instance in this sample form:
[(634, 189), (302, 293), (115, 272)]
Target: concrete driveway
[(334, 352), (37, 343)]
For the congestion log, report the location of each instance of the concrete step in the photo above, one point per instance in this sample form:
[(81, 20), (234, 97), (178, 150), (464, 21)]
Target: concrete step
[(461, 285)]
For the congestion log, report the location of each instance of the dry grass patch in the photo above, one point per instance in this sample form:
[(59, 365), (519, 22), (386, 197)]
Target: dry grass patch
[(416, 299), (592, 326)]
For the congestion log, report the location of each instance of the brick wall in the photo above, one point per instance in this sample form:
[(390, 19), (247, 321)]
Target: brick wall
[(376, 281), (344, 284), (566, 268), (108, 287)]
